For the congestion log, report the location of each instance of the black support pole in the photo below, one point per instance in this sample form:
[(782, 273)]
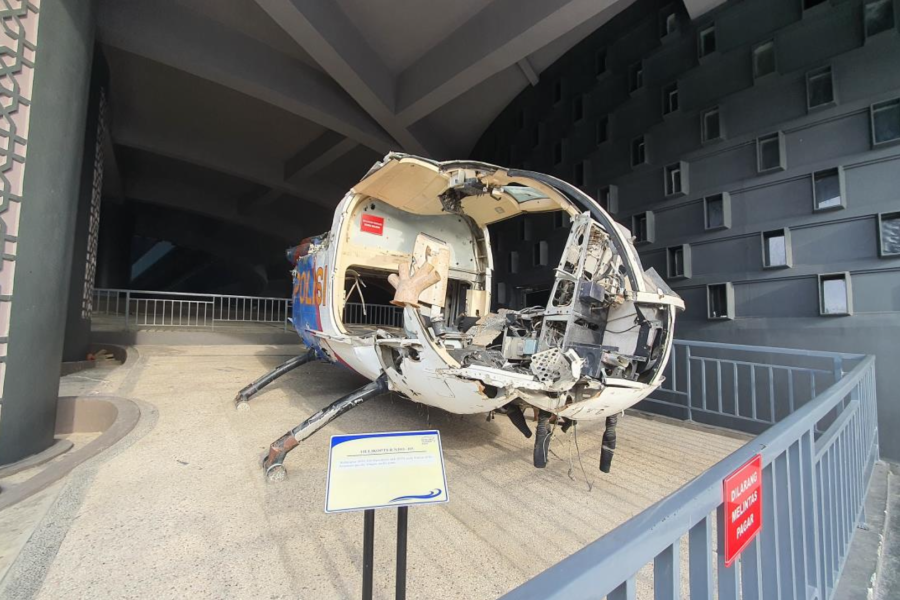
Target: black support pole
[(368, 552), (402, 522)]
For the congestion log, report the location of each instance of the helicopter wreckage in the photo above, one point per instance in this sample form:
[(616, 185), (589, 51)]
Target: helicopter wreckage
[(419, 229)]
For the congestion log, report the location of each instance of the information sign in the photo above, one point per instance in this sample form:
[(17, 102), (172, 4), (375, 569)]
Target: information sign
[(385, 470)]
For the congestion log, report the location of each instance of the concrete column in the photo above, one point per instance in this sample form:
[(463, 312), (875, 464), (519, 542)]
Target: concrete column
[(87, 221), (45, 104)]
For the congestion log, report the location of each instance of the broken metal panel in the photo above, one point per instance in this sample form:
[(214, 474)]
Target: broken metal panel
[(596, 348)]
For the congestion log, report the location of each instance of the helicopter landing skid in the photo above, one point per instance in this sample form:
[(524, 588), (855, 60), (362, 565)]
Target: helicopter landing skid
[(241, 401), (273, 463)]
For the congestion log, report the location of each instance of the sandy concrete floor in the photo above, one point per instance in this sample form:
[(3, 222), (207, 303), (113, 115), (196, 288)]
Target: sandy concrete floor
[(185, 511)]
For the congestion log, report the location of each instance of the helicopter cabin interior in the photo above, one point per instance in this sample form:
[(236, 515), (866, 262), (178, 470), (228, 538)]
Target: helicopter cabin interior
[(413, 212)]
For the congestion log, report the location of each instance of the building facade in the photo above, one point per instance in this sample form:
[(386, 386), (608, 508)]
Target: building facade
[(755, 155)]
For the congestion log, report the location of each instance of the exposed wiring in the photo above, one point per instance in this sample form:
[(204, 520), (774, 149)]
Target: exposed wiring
[(590, 484), (636, 325)]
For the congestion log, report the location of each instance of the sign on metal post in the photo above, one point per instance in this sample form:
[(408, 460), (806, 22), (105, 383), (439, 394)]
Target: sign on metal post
[(385, 470), (743, 508)]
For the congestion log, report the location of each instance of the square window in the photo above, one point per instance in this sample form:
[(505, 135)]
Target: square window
[(602, 130), (608, 197), (764, 59), (671, 23), (720, 301), (835, 296), (561, 219), (638, 151), (710, 126), (808, 4), (501, 293), (886, 122), (600, 62), (828, 189), (679, 262), (578, 108), (819, 88), (670, 98), (642, 227), (557, 91), (579, 174), (770, 153), (539, 254), (879, 16), (707, 41), (676, 179), (717, 211), (513, 262), (668, 22), (889, 234), (636, 76), (557, 153), (525, 229), (776, 249)]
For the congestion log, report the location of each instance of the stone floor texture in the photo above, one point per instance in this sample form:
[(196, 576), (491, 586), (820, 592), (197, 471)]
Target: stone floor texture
[(180, 507)]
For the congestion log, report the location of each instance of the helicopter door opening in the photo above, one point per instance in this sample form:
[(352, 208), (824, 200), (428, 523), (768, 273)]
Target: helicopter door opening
[(451, 244)]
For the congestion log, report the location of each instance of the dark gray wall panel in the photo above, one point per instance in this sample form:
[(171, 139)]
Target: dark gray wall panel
[(874, 185), (876, 292), (835, 244), (773, 307), (785, 298), (752, 22), (829, 141), (786, 201)]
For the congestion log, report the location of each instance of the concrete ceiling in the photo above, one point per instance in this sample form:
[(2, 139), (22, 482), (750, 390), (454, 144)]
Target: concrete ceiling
[(297, 98)]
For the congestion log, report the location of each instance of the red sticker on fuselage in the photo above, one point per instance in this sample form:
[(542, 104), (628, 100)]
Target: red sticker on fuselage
[(372, 224)]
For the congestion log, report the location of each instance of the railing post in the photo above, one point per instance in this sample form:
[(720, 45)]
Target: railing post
[(727, 576), (127, 307), (687, 379), (699, 559), (838, 368)]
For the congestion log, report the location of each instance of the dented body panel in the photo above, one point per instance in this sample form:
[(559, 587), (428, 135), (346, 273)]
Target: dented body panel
[(598, 347)]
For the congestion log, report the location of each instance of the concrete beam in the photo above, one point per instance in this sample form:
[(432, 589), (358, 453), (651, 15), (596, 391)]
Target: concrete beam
[(167, 33), (528, 71), (187, 198), (325, 32), (252, 204), (498, 37), (135, 133), (697, 8), (317, 155)]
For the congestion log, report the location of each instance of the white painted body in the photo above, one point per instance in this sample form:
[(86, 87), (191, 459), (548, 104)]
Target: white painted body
[(403, 193)]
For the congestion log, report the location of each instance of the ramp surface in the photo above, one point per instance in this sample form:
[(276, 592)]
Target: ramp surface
[(185, 510)]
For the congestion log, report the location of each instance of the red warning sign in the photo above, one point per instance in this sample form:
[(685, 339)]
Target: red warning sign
[(743, 508), (372, 224)]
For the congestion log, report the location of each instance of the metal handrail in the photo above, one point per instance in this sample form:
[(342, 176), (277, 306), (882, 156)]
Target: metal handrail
[(821, 506), (748, 388), (142, 308), (770, 349)]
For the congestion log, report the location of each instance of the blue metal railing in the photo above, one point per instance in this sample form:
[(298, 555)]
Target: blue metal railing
[(817, 463)]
